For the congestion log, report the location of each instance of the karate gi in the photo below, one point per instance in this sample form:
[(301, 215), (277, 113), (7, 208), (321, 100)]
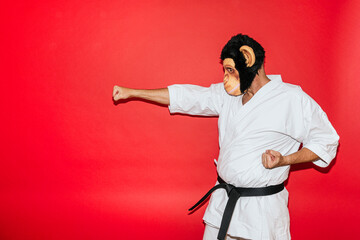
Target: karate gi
[(279, 117)]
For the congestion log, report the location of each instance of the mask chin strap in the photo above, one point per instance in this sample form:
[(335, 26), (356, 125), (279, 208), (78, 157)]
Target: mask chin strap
[(235, 88)]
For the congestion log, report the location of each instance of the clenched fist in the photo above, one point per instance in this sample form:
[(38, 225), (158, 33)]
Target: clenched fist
[(272, 159), (120, 93)]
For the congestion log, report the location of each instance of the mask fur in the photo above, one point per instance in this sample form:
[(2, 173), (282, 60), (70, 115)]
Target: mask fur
[(232, 50)]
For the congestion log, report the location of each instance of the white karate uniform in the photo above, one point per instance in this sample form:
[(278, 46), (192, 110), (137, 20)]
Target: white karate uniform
[(279, 117)]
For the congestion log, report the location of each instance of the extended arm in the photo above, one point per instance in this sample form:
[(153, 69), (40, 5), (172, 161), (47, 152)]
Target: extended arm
[(155, 95), (272, 159)]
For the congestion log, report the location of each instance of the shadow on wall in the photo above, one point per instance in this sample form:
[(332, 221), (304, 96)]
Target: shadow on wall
[(310, 165)]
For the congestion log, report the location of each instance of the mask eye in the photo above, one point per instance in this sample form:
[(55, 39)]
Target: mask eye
[(230, 70)]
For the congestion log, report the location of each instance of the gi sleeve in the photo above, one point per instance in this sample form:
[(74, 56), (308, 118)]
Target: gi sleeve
[(321, 137), (196, 100)]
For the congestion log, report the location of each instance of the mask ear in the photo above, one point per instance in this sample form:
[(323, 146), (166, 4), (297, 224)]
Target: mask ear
[(249, 55)]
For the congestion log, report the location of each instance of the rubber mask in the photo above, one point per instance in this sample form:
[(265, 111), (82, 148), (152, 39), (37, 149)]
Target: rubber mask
[(231, 78)]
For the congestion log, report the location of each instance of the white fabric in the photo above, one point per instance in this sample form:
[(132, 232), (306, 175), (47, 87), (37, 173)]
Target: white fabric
[(279, 116), (211, 233)]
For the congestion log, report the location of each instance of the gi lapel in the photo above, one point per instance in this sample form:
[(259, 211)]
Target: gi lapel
[(255, 101)]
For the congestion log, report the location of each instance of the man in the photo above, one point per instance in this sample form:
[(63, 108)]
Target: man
[(262, 122)]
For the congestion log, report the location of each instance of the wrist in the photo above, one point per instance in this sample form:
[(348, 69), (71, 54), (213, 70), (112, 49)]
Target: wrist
[(130, 93), (286, 160)]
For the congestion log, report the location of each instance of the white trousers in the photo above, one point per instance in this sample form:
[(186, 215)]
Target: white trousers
[(211, 233)]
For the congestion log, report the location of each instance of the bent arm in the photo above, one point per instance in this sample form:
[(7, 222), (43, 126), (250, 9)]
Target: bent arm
[(319, 138), (160, 96), (272, 159)]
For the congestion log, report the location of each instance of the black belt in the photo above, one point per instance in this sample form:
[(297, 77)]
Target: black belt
[(233, 197)]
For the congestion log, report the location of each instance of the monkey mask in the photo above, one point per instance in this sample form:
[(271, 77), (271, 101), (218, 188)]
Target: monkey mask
[(238, 74), (244, 55)]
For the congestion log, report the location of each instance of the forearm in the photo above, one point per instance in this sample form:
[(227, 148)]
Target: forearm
[(301, 156), (160, 96), (272, 159), (155, 95)]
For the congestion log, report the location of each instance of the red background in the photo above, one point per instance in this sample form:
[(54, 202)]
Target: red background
[(75, 166)]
